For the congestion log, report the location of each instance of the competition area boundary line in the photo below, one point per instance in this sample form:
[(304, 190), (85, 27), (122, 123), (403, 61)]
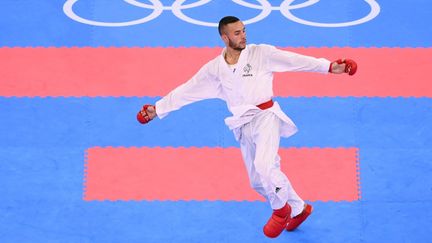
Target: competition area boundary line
[(201, 181), (45, 76)]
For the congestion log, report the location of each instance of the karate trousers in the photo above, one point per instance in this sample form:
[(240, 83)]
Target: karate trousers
[(259, 143)]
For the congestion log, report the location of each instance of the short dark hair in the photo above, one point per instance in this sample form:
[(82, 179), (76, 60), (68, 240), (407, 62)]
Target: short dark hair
[(225, 21)]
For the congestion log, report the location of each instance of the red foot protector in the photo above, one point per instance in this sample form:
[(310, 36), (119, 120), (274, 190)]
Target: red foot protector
[(213, 174), (277, 221)]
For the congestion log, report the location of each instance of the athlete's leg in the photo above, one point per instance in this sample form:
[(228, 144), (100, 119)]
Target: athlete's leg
[(276, 186)]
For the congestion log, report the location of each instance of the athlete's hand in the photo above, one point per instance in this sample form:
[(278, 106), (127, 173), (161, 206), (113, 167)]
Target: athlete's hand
[(343, 66), (146, 114)]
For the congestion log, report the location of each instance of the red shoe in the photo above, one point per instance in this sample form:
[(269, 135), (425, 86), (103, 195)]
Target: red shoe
[(277, 222), (297, 220)]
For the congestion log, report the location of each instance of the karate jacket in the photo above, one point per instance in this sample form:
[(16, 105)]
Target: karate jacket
[(244, 85)]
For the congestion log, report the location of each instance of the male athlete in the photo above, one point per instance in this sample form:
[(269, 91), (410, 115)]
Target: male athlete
[(242, 76)]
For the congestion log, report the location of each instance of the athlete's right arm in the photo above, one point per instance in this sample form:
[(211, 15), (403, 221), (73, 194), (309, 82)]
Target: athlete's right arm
[(203, 85)]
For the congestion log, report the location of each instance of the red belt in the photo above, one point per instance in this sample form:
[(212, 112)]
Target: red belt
[(265, 105)]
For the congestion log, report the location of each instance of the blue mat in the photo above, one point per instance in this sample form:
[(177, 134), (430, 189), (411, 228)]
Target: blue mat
[(43, 140)]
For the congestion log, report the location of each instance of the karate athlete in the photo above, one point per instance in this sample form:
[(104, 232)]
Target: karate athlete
[(242, 75)]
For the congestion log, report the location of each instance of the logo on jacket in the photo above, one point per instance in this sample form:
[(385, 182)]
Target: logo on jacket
[(246, 70)]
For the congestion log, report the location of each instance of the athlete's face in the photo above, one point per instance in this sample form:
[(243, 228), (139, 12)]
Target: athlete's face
[(234, 35)]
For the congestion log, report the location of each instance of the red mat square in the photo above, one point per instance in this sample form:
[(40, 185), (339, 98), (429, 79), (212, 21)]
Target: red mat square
[(214, 174)]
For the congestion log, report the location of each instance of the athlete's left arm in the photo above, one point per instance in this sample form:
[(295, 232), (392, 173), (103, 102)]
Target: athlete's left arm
[(286, 61), (282, 61)]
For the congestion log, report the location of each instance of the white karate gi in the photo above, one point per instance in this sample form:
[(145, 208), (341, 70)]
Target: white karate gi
[(243, 86)]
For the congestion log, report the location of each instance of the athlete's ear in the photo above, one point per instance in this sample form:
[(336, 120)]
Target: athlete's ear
[(224, 37)]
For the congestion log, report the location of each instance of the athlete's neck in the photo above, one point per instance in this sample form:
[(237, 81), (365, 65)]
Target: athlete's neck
[(231, 55)]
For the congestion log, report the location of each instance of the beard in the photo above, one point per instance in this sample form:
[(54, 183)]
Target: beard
[(235, 46)]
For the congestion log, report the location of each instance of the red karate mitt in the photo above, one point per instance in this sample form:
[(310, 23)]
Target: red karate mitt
[(350, 65), (143, 117)]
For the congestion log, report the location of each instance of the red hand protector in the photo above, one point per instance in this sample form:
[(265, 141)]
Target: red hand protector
[(142, 116), (350, 66)]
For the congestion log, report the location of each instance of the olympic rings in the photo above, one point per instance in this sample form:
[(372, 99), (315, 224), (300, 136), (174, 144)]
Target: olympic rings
[(177, 9)]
